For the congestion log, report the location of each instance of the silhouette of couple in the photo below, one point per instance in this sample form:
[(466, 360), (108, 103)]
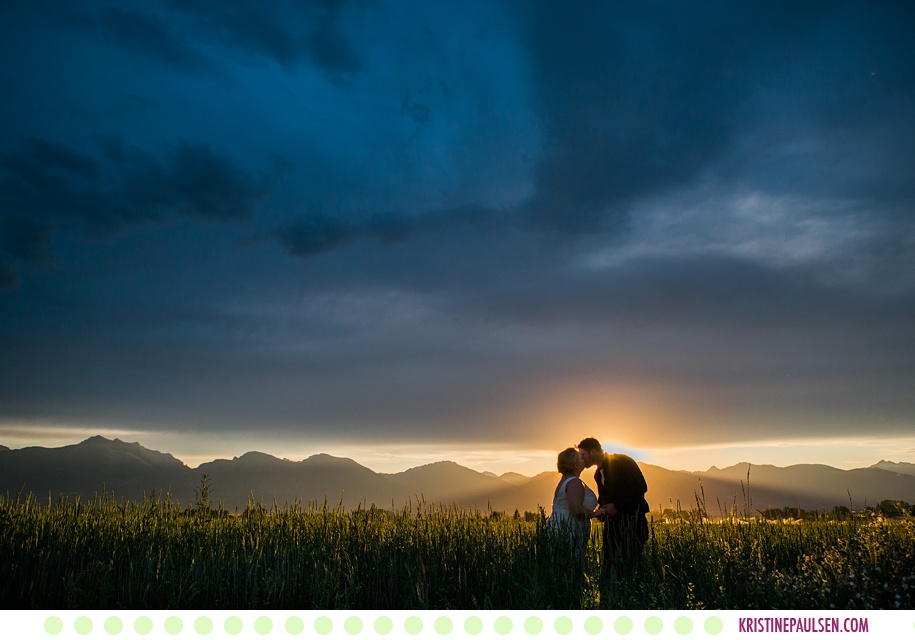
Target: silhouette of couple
[(619, 504)]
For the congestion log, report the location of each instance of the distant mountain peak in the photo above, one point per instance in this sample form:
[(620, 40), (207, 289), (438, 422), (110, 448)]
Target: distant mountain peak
[(327, 460), (514, 478), (324, 457), (254, 456), (905, 468), (102, 448), (441, 464), (102, 441)]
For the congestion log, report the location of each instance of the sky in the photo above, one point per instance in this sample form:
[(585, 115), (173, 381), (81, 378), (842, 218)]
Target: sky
[(477, 231)]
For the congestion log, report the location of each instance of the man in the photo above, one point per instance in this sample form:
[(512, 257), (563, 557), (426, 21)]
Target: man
[(621, 489)]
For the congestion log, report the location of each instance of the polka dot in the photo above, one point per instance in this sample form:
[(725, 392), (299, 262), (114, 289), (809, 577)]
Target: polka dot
[(233, 625), (714, 626), (295, 626), (263, 625), (594, 625), (623, 625), (53, 625), (683, 625), (384, 626), (173, 625), (503, 625), (203, 625), (473, 625), (83, 626), (353, 625), (563, 625), (143, 626), (443, 625), (323, 625), (113, 626), (533, 625), (653, 625), (413, 625)]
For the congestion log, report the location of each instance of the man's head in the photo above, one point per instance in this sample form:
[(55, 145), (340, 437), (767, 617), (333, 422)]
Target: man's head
[(591, 450)]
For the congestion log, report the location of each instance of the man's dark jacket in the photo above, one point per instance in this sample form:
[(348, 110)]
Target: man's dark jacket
[(620, 482)]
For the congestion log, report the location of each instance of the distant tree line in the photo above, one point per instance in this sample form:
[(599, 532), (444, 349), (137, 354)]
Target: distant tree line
[(885, 508)]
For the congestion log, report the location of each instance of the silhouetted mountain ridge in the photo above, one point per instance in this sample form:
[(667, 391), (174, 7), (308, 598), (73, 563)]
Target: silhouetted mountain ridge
[(897, 467), (448, 482), (130, 471), (94, 466)]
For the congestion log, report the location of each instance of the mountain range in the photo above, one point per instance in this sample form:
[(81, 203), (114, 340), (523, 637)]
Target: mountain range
[(130, 471)]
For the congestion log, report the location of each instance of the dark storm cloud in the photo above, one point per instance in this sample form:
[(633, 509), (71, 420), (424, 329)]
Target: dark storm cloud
[(314, 235), (311, 235), (141, 29), (133, 104), (9, 278), (119, 186), (188, 34), (837, 122), (418, 112), (698, 291), (149, 35), (284, 31), (26, 239), (636, 101), (458, 213)]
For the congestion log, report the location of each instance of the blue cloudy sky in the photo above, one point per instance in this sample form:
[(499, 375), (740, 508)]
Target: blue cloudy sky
[(405, 231)]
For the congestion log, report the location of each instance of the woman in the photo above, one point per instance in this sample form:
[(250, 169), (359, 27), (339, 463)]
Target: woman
[(573, 503)]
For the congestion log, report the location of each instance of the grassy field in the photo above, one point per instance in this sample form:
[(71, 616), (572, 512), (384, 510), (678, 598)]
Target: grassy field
[(159, 554)]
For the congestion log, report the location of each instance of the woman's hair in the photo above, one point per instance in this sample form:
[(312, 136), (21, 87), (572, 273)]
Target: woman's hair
[(567, 460)]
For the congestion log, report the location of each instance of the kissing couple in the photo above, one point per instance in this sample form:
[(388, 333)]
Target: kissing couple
[(619, 503)]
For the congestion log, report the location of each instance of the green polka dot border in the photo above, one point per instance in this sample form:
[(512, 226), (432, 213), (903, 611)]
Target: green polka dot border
[(683, 625), (323, 626), (384, 625), (263, 626), (503, 625), (143, 625), (113, 626), (83, 625), (233, 625), (713, 626), (393, 624), (173, 625), (533, 625), (53, 625), (295, 625), (203, 625), (563, 625), (443, 625), (413, 625), (353, 626), (623, 625), (473, 625), (653, 625)]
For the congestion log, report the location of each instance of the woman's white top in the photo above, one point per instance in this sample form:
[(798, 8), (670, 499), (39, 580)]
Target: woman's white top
[(560, 512)]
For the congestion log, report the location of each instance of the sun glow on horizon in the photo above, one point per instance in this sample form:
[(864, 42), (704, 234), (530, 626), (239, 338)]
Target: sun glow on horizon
[(495, 457)]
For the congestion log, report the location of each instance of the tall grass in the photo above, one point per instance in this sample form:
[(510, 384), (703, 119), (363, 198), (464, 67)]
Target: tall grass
[(159, 554), (736, 563)]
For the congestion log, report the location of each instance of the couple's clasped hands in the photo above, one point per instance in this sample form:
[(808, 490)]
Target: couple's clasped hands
[(607, 510)]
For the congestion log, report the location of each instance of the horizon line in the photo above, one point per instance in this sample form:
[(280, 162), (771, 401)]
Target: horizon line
[(440, 461)]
